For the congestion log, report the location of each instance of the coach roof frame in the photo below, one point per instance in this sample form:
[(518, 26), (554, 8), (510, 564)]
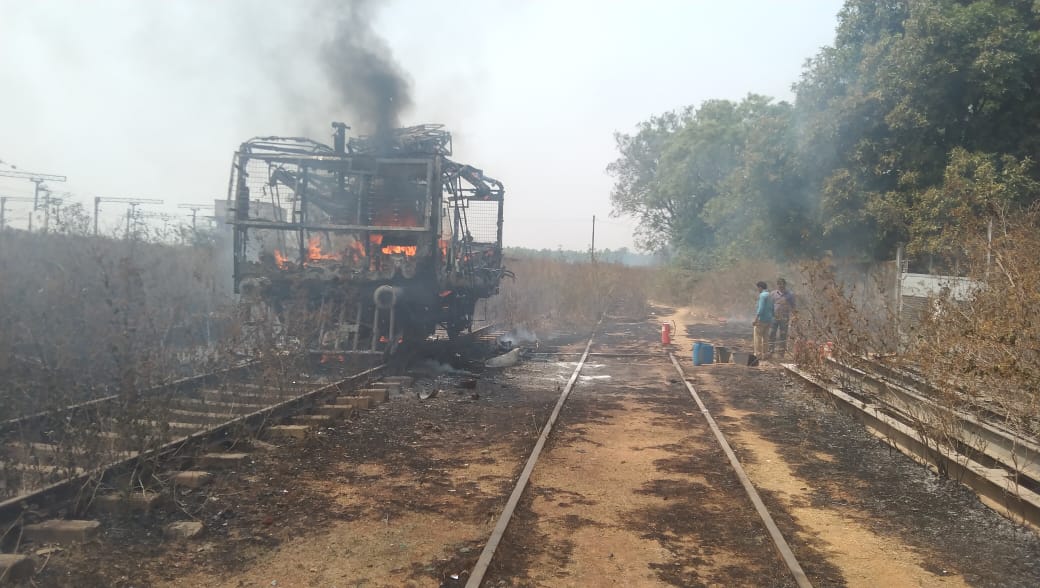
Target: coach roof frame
[(334, 163)]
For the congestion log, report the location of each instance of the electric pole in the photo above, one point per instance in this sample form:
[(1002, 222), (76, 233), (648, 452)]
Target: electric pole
[(133, 202), (49, 199), (36, 178), (592, 252), (195, 208), (3, 209)]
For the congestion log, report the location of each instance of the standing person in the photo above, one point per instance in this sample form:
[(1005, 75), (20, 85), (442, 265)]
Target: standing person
[(763, 318), (783, 308)]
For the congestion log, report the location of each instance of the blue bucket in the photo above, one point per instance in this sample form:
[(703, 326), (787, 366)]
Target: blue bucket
[(707, 353), (703, 353)]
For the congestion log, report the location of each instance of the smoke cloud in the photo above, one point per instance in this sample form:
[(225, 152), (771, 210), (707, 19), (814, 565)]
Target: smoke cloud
[(362, 70)]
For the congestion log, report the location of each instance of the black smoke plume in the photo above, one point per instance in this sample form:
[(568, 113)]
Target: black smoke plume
[(363, 72)]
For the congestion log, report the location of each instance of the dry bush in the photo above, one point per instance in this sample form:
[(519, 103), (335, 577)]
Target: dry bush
[(730, 291), (976, 349), (569, 294), (85, 316), (847, 308), (982, 352)]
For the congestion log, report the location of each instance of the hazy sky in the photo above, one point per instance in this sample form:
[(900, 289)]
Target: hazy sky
[(151, 99)]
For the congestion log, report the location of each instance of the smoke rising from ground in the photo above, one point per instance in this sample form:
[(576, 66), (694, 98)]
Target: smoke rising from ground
[(362, 70), (519, 335)]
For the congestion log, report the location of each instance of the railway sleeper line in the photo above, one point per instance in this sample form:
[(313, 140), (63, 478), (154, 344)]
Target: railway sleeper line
[(908, 379), (973, 436), (1002, 468), (208, 434), (184, 413), (209, 418), (480, 570)]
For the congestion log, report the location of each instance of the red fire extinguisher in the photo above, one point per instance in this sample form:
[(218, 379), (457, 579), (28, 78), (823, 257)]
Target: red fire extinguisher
[(666, 334)]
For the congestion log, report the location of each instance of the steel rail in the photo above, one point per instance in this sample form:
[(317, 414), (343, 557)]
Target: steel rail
[(994, 486), (774, 532), (911, 380), (58, 493), (1012, 451), (483, 563), (29, 419), (488, 553), (65, 490)]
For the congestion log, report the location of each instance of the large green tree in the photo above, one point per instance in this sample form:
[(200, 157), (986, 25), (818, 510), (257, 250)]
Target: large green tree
[(763, 209), (714, 180), (923, 115), (637, 189), (905, 84)]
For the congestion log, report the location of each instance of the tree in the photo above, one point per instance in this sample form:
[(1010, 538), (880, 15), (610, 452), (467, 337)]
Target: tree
[(920, 115), (977, 189), (764, 210), (713, 180), (636, 190), (904, 84)]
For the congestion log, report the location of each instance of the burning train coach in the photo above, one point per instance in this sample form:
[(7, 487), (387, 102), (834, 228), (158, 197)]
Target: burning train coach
[(363, 245)]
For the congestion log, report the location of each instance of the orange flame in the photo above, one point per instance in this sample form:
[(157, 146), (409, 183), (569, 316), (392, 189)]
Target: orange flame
[(280, 259), (314, 250), (406, 250), (375, 239), (356, 250)]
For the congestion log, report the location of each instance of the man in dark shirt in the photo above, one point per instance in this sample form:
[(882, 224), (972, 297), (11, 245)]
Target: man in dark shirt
[(783, 308)]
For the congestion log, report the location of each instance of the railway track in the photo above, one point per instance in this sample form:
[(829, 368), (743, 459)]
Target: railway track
[(58, 463), (1000, 465), (632, 484), (482, 572)]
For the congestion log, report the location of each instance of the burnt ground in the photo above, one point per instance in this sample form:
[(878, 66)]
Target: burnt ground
[(631, 489), (442, 462), (839, 472)]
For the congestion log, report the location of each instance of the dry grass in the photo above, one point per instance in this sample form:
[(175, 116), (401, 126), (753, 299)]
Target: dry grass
[(727, 292), (983, 353), (83, 316), (976, 353), (568, 294), (730, 292)]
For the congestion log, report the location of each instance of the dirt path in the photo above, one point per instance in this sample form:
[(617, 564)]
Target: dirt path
[(633, 489)]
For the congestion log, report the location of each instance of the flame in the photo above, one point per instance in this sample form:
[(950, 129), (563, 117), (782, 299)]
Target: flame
[(280, 259), (314, 250), (356, 250), (406, 250), (375, 239)]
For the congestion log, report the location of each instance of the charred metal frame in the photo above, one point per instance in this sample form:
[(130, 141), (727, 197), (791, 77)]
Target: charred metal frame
[(391, 192)]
